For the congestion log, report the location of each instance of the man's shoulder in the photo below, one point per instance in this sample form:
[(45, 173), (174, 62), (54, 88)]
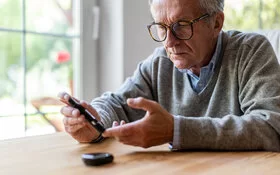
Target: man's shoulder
[(238, 38), (245, 46)]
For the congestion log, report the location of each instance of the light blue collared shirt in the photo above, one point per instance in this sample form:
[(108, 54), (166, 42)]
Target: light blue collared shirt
[(206, 72)]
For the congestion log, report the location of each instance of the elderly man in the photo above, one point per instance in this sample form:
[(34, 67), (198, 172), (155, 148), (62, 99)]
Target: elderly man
[(204, 89)]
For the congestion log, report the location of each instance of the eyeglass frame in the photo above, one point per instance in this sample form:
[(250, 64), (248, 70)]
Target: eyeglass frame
[(170, 27)]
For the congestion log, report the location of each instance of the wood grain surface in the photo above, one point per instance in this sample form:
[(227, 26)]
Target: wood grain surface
[(59, 154)]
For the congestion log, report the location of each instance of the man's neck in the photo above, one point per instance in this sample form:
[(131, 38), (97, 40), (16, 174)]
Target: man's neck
[(196, 69)]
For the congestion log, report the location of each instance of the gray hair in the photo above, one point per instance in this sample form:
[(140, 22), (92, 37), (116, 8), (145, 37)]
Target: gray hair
[(210, 6)]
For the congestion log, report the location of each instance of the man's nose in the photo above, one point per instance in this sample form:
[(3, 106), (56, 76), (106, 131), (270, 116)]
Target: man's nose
[(170, 40)]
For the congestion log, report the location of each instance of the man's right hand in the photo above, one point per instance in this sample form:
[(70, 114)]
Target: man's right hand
[(75, 124)]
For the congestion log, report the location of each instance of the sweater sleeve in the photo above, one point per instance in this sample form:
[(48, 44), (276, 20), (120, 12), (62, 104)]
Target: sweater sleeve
[(259, 97), (113, 106)]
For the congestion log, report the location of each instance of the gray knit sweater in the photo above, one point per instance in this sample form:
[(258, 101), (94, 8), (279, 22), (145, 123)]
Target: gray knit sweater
[(239, 109)]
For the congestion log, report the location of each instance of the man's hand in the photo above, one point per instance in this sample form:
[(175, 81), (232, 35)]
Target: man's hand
[(155, 128), (75, 123)]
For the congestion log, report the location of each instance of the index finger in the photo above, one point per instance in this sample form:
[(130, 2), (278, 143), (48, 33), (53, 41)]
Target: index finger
[(64, 97)]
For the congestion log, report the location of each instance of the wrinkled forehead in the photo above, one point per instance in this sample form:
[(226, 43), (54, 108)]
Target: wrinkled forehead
[(172, 10)]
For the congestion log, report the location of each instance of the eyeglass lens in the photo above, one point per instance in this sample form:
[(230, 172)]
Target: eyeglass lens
[(181, 30)]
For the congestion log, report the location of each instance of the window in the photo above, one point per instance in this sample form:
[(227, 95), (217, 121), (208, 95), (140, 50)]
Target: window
[(252, 15), (255, 16), (39, 43)]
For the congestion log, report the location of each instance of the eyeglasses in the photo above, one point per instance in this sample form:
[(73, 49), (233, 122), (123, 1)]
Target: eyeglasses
[(182, 30)]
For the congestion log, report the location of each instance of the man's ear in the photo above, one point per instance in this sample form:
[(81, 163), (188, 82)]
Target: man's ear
[(219, 22)]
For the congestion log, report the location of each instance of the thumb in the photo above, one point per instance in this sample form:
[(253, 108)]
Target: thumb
[(141, 103), (120, 131)]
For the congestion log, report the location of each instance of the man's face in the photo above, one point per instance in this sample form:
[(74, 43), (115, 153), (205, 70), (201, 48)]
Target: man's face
[(196, 52)]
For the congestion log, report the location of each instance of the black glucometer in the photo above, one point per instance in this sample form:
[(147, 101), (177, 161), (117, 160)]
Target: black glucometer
[(88, 116), (96, 159)]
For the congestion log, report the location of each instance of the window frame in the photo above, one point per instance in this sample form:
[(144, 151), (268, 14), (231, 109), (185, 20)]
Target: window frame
[(86, 76), (85, 52)]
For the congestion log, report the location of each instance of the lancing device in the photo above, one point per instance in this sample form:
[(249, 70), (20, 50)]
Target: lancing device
[(89, 117)]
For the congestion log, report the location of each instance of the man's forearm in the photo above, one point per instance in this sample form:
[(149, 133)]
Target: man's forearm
[(227, 133)]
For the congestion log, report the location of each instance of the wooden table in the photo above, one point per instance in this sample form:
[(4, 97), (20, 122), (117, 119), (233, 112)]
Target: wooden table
[(59, 154)]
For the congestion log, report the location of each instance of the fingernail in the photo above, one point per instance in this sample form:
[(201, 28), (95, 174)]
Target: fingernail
[(130, 100), (115, 123), (66, 97)]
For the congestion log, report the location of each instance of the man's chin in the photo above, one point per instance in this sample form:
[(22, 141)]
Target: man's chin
[(180, 64)]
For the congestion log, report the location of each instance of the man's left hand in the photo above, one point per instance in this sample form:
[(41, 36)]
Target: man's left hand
[(155, 128)]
